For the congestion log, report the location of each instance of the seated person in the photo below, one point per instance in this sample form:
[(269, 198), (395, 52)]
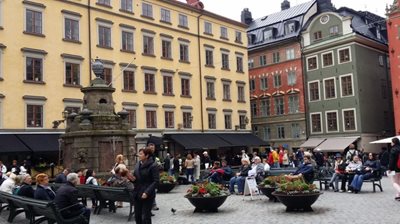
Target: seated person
[(354, 166), (227, 170), (257, 169), (340, 166), (370, 166), (67, 199), (306, 170), (26, 189), (219, 174), (240, 177), (43, 190)]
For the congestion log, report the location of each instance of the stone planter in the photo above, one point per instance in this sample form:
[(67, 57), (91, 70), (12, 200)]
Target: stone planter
[(267, 191), (297, 202), (165, 187), (207, 204)]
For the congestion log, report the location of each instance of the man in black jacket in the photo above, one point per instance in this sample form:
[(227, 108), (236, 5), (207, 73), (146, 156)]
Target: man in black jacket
[(67, 199), (62, 177)]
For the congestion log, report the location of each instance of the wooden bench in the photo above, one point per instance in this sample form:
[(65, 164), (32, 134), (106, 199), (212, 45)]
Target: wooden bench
[(112, 194), (279, 171), (375, 180)]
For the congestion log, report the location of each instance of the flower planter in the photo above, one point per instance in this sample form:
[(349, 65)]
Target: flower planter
[(165, 187), (297, 202), (207, 204), (267, 191)]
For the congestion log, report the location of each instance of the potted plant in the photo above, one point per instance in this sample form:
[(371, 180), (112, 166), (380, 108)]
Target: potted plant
[(296, 194), (207, 196), (167, 183), (269, 185)]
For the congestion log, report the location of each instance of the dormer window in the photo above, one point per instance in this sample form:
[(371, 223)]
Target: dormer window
[(268, 34), (290, 27), (378, 33), (251, 38)]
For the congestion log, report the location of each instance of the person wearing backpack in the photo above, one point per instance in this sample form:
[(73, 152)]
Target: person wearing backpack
[(394, 166)]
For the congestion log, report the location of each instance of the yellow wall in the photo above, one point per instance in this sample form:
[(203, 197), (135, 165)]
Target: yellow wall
[(12, 106)]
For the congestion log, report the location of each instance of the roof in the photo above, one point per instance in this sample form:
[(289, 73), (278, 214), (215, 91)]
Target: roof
[(281, 16)]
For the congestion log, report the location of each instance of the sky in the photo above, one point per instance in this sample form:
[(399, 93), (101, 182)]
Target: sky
[(260, 8)]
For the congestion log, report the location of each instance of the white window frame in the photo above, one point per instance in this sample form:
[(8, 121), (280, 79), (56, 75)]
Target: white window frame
[(186, 110), (212, 90), (188, 50), (34, 55), (74, 61), (161, 17), (124, 29), (174, 117), (229, 91), (229, 113), (147, 108), (314, 56), (291, 52), (171, 49), (205, 27), (73, 104), (120, 6), (311, 123), (322, 59), (33, 8), (167, 74), (135, 108), (146, 71), (226, 33), (34, 102), (334, 84), (179, 20), (338, 55), (352, 84), (337, 121), (98, 36), (355, 119), (152, 10), (122, 79), (208, 121), (72, 17), (110, 66), (309, 92), (154, 43), (239, 56)]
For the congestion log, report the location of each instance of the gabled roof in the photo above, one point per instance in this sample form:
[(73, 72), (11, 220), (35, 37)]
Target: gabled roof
[(281, 16)]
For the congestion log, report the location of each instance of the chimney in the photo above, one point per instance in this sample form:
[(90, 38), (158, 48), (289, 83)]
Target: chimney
[(325, 6), (246, 16), (285, 5), (195, 3)]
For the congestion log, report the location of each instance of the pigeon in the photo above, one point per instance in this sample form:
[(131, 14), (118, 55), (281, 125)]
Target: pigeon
[(173, 211)]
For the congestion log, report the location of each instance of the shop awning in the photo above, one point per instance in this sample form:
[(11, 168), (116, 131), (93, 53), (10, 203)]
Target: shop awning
[(337, 144), (199, 141), (312, 142), (243, 139), (40, 142), (385, 140), (10, 143)]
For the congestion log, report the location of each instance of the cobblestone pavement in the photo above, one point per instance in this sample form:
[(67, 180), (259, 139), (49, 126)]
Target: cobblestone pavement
[(331, 208)]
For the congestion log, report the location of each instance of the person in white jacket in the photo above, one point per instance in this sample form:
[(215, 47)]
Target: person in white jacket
[(9, 184), (3, 168), (197, 163)]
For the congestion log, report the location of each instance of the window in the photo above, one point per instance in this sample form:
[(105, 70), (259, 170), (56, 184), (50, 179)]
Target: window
[(264, 83), (316, 126), (227, 91), (327, 59), (268, 34), (185, 87), (239, 63), (253, 107), (346, 85), (265, 107), (380, 59), (183, 52), (238, 36), (252, 84), (317, 36), (277, 80), (267, 133), (313, 88), (169, 119), (72, 109), (293, 104), (225, 61), (349, 119), (151, 119), (126, 5), (168, 85), (331, 121), (104, 36), (209, 57), (34, 116), (241, 96), (33, 21), (276, 57), (296, 131), (312, 63), (292, 78), (290, 28), (251, 63), (72, 73), (149, 83), (344, 55), (127, 41), (107, 73), (242, 121), (211, 121), (166, 49), (148, 45), (228, 121), (207, 28), (384, 89), (281, 132), (263, 60), (210, 90), (165, 15), (34, 69), (334, 30), (224, 32), (279, 106), (147, 10), (104, 2), (187, 119), (131, 117), (330, 88), (129, 80), (289, 54), (183, 20), (71, 29)]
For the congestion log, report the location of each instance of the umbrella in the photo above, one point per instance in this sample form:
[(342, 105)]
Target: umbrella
[(385, 140)]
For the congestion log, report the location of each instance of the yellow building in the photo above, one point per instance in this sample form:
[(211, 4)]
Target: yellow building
[(176, 68)]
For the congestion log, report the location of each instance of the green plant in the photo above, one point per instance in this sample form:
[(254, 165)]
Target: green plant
[(165, 178), (295, 185), (206, 189)]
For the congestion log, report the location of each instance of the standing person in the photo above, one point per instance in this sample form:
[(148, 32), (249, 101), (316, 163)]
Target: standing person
[(146, 179), (67, 199), (15, 168), (119, 160), (281, 154), (275, 156), (3, 169), (26, 189), (300, 157), (206, 160), (22, 168), (167, 163), (394, 166), (62, 177), (384, 159), (189, 164), (90, 179), (351, 153), (197, 163), (176, 166), (285, 158), (43, 191), (244, 155)]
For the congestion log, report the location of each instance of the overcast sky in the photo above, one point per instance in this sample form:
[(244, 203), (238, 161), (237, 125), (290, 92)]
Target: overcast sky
[(260, 8)]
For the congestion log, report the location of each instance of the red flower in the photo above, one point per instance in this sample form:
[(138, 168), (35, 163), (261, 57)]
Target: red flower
[(202, 191)]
